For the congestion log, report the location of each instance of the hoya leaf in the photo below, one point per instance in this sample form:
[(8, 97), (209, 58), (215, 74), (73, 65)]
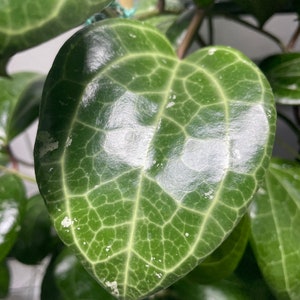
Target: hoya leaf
[(27, 107), (49, 288), (147, 162), (275, 217), (74, 282), (283, 73), (262, 10), (230, 288), (24, 24), (17, 110), (223, 261), (12, 204), (36, 239)]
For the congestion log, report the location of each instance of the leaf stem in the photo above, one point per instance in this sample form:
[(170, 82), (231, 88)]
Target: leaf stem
[(16, 172), (291, 45), (279, 43), (191, 31), (290, 123)]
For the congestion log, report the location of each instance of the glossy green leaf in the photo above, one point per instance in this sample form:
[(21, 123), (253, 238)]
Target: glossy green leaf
[(74, 282), (262, 10), (147, 162), (49, 288), (275, 219), (17, 109), (231, 288), (24, 24), (12, 204), (283, 73), (4, 279), (27, 107), (223, 261), (36, 239)]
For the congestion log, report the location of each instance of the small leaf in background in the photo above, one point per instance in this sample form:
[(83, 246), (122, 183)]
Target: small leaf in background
[(262, 10), (275, 223), (223, 261), (250, 275), (230, 288), (74, 282), (27, 107), (283, 73), (49, 288), (12, 205), (4, 279), (15, 93), (148, 162), (36, 239), (24, 24)]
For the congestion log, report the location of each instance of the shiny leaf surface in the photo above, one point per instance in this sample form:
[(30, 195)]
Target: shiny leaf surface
[(15, 114), (223, 261), (24, 24), (147, 162), (283, 73), (74, 282), (275, 220), (12, 204)]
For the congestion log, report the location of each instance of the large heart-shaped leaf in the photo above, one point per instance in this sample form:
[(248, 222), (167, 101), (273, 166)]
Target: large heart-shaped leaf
[(147, 162), (12, 205), (275, 226), (24, 24), (283, 73)]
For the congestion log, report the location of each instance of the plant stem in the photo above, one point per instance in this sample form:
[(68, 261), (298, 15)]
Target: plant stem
[(294, 38), (291, 124), (16, 172), (260, 30), (191, 31)]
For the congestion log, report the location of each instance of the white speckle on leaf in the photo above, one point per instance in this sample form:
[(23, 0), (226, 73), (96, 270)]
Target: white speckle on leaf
[(212, 51), (48, 143), (158, 275), (147, 266), (50, 170), (209, 195), (68, 142), (170, 104), (113, 285), (187, 234), (107, 248), (66, 222), (132, 35)]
